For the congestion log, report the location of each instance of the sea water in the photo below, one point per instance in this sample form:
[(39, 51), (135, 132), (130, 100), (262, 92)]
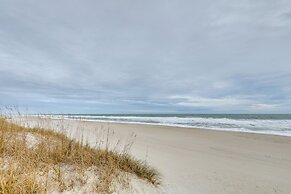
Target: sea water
[(276, 124)]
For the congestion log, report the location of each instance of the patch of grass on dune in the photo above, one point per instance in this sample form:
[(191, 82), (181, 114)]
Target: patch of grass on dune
[(35, 160)]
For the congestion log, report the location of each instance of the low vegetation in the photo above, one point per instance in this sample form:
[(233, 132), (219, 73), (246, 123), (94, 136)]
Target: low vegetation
[(35, 160)]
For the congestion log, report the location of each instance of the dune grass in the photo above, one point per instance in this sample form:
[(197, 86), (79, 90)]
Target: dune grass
[(35, 160)]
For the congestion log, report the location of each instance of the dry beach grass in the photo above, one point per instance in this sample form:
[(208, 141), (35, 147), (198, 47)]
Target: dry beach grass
[(36, 160)]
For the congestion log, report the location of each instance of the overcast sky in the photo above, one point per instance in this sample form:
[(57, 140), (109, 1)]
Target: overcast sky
[(154, 56)]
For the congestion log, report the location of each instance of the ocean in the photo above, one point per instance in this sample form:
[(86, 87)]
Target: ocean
[(276, 124)]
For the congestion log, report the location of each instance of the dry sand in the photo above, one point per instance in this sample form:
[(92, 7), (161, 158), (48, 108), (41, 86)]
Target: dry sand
[(197, 160)]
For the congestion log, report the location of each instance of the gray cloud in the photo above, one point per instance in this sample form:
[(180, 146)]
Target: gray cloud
[(136, 56)]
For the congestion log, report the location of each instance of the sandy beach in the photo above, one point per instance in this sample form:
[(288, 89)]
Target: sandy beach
[(145, 97), (196, 160)]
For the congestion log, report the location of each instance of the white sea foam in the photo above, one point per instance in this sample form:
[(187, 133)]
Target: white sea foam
[(265, 126)]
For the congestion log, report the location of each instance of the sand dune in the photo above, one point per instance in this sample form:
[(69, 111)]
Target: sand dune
[(197, 160)]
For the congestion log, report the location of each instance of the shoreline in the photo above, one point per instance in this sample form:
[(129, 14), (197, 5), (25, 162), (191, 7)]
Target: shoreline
[(199, 160), (177, 126)]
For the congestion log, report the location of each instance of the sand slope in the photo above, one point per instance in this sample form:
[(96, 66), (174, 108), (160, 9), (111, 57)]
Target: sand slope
[(198, 160)]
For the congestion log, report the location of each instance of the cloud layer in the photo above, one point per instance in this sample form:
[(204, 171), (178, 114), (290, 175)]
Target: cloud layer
[(146, 56)]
